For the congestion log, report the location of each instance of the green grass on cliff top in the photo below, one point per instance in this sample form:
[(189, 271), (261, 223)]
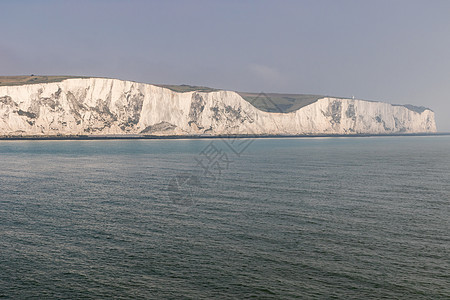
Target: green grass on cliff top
[(21, 80)]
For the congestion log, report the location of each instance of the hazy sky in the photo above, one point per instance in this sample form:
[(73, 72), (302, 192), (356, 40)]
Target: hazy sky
[(394, 51)]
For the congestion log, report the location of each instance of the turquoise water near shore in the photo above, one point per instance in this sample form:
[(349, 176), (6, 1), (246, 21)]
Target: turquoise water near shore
[(310, 218)]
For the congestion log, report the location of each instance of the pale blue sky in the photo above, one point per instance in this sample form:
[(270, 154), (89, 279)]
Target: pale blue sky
[(396, 51)]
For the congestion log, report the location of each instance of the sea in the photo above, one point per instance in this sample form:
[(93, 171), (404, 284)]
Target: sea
[(226, 218)]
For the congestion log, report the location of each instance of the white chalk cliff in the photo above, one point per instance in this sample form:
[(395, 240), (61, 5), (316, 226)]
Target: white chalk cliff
[(98, 106)]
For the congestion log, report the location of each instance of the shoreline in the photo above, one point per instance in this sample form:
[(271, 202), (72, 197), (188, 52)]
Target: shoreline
[(193, 137)]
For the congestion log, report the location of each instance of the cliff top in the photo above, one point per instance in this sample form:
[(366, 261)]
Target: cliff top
[(21, 80), (269, 102)]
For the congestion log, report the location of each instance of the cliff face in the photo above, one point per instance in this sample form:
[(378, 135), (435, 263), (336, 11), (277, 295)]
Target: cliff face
[(96, 106)]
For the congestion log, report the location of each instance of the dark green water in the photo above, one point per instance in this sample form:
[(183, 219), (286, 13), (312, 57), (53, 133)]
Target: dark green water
[(344, 218)]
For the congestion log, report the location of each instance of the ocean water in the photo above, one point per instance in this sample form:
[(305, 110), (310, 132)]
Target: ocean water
[(308, 218)]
